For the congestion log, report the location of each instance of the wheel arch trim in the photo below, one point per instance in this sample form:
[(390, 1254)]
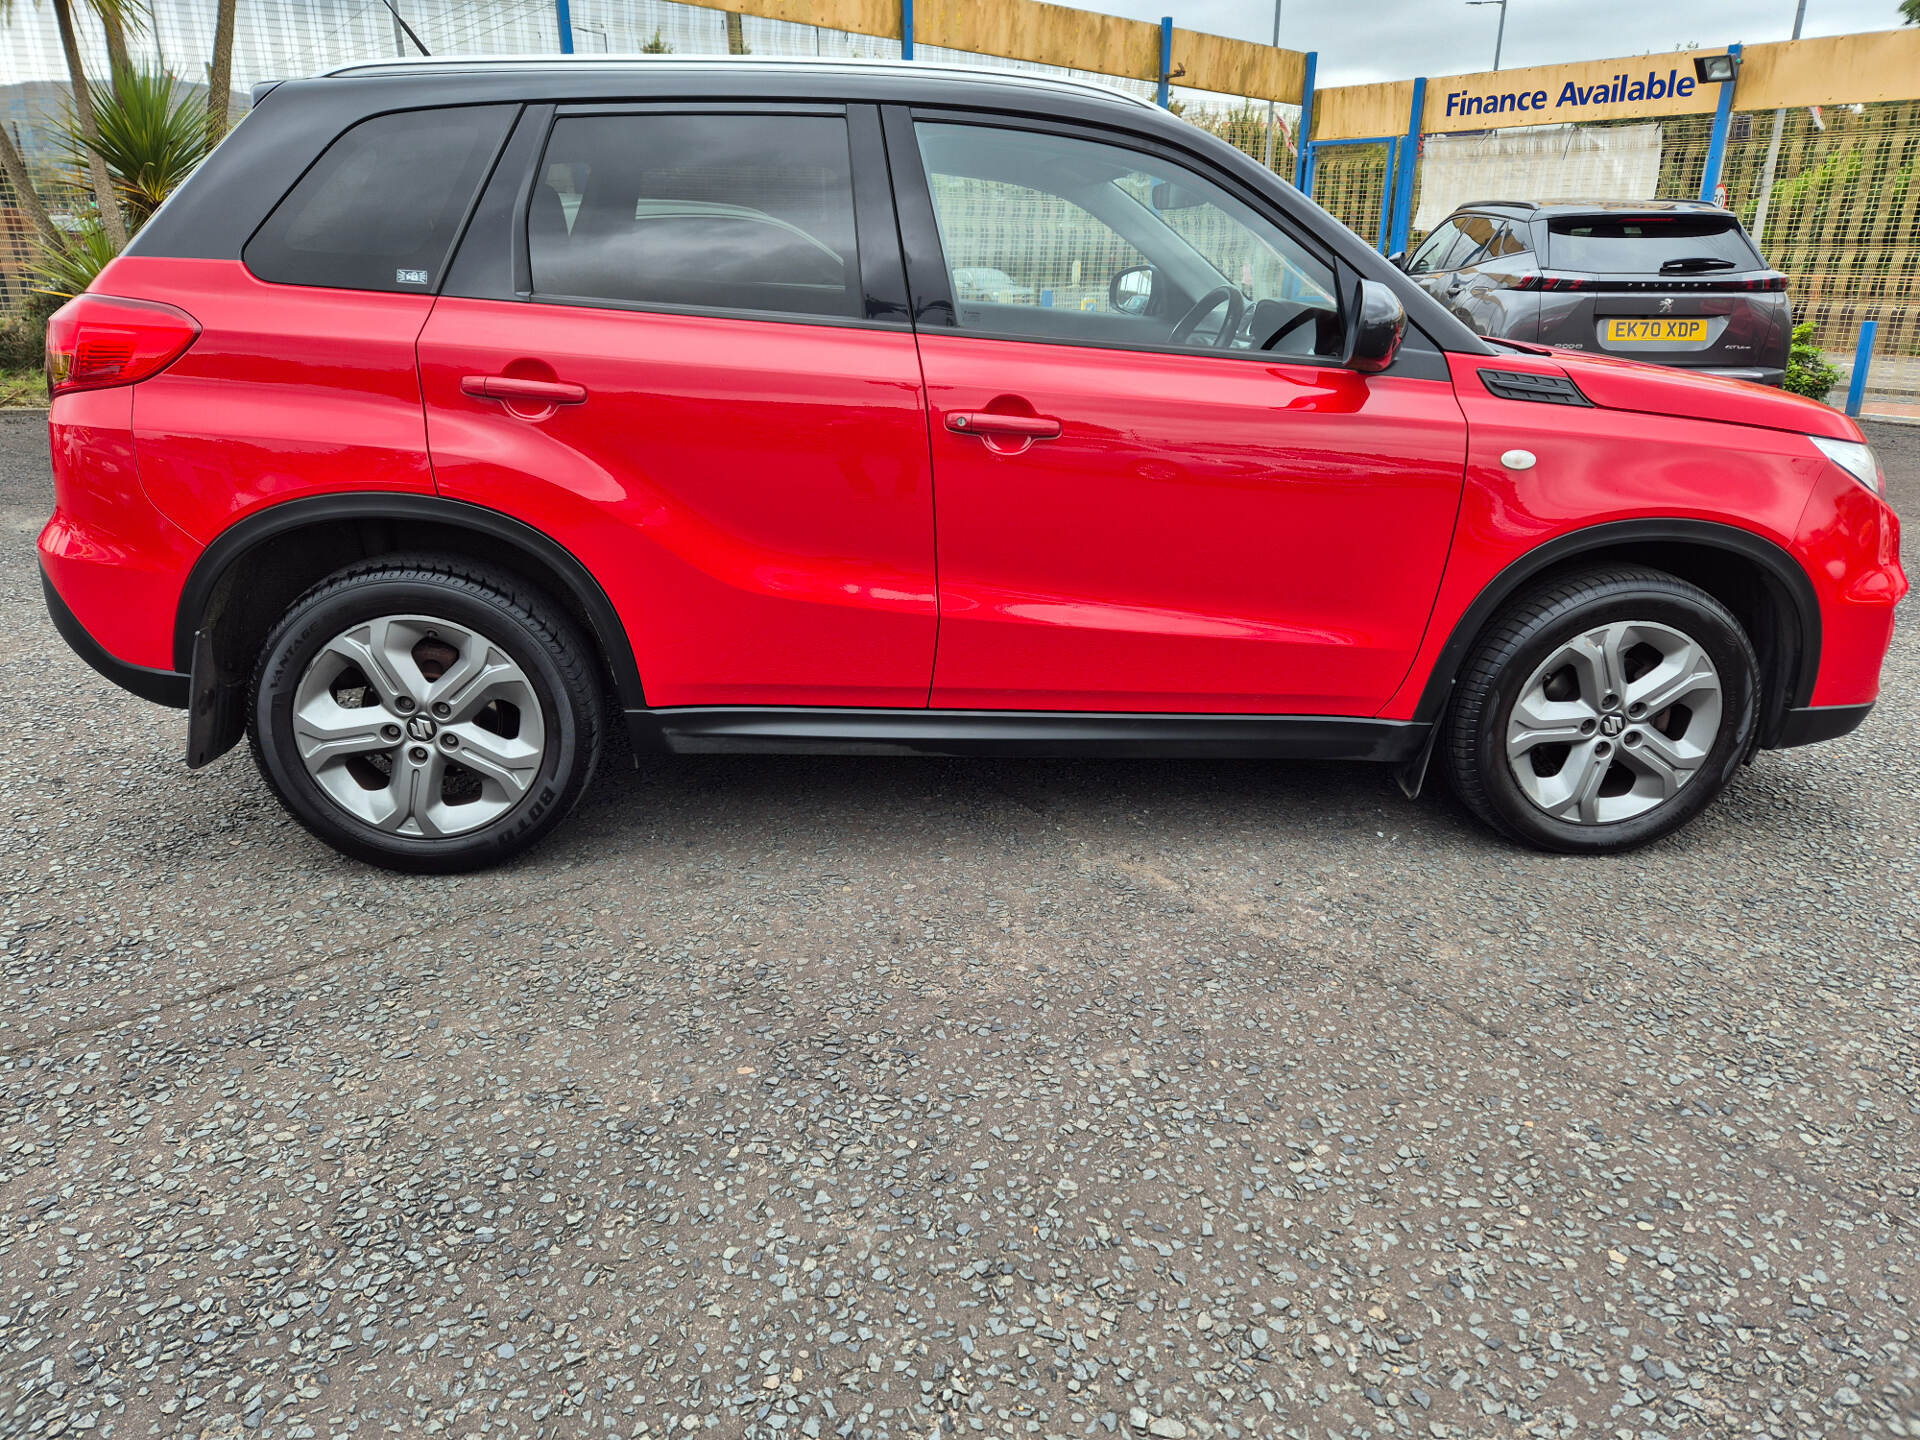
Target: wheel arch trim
[(251, 532), (1787, 582)]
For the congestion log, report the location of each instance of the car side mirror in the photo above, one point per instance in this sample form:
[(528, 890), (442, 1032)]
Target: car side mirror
[(1398, 259), (1374, 333), (1131, 291)]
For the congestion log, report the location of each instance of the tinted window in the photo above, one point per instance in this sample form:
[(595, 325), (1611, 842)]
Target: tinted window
[(379, 209), (723, 212), (1041, 232), (1432, 254), (1649, 244), (1507, 240), (1479, 233)]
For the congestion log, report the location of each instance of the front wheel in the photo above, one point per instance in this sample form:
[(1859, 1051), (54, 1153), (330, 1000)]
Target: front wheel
[(426, 714), (1602, 711)]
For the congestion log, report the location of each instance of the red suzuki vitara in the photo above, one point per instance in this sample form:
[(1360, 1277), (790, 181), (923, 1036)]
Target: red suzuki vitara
[(455, 410)]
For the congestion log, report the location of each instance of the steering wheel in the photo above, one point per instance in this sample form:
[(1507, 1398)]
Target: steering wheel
[(1291, 324), (1227, 295)]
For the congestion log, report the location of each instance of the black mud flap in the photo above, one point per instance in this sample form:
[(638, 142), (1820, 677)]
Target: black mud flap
[(1411, 773), (215, 707)]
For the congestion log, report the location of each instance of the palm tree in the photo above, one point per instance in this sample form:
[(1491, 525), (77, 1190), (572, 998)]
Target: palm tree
[(220, 73), (149, 133), (111, 221), (1910, 11), (115, 25), (14, 165)]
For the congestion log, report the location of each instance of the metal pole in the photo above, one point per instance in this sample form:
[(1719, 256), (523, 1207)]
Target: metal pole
[(906, 30), (1403, 180), (1773, 148), (1166, 61), (1266, 157), (1500, 35), (1722, 122), (1862, 359), (564, 17), (1302, 167)]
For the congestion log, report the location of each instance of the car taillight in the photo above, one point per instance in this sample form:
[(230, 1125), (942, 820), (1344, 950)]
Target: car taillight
[(97, 341), (1545, 282)]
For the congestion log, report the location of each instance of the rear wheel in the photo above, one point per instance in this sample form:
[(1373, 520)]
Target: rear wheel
[(426, 714), (1603, 711)]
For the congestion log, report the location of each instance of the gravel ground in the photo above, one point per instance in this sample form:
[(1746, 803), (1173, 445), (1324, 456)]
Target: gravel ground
[(818, 1097)]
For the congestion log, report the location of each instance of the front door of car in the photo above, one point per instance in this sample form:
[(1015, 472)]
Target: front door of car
[(1157, 489), (676, 340)]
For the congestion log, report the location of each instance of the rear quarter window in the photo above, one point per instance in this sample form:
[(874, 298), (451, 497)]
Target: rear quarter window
[(1644, 244), (379, 209)]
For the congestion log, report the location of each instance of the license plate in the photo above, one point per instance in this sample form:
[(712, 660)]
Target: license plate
[(1657, 332)]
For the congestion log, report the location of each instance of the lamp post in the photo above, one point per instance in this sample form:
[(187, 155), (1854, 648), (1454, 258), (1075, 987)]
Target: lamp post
[(1267, 158), (1500, 35), (1773, 148)]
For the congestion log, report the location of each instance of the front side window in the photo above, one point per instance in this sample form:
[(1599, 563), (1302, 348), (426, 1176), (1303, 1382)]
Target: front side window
[(378, 210), (1061, 238), (718, 212), (1478, 233), (1433, 251)]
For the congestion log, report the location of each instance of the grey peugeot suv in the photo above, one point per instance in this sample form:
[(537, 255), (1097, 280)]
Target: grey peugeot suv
[(1678, 282)]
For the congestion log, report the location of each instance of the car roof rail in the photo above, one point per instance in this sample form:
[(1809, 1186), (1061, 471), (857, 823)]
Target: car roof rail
[(696, 64)]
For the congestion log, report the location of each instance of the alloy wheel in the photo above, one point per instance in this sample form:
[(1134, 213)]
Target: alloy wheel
[(1614, 723), (418, 726)]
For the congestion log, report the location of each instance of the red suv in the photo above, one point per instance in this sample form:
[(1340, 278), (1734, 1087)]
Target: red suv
[(453, 410)]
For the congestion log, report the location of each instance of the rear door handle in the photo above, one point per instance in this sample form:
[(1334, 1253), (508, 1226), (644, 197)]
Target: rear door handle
[(512, 387), (989, 422)]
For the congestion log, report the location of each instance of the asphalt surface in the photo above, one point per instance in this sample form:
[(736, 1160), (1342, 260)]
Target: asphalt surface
[(807, 1097)]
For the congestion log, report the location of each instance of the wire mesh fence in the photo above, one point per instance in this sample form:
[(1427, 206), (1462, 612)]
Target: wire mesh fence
[(1351, 181)]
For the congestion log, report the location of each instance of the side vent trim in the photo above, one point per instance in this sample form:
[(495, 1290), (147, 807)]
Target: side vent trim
[(1525, 385)]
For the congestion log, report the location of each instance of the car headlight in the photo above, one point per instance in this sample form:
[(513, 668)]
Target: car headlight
[(1854, 458)]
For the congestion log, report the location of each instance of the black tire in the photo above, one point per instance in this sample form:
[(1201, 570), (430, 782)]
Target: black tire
[(1523, 637), (559, 667)]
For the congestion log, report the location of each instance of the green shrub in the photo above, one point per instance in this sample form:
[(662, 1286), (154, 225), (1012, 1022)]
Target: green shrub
[(23, 344), (1807, 370)]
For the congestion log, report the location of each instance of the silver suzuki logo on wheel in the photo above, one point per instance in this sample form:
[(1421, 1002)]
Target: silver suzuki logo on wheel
[(421, 728), (1609, 724)]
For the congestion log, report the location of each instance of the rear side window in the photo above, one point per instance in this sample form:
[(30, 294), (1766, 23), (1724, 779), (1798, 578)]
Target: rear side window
[(1649, 244), (711, 212), (379, 208)]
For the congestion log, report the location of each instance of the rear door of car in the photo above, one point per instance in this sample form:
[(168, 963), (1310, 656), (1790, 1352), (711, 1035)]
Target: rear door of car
[(676, 339)]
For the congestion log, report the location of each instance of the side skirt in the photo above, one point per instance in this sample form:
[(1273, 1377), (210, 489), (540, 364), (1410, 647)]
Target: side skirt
[(809, 730)]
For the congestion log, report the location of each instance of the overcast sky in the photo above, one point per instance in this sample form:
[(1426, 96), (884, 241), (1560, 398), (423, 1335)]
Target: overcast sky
[(1361, 40)]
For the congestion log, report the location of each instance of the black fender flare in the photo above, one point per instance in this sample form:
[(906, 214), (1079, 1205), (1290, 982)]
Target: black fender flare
[(263, 526), (1790, 586)]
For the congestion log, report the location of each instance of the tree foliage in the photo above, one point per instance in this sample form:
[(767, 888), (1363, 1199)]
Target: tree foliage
[(150, 134)]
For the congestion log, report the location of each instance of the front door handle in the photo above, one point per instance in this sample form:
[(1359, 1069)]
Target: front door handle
[(991, 422), (512, 387)]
